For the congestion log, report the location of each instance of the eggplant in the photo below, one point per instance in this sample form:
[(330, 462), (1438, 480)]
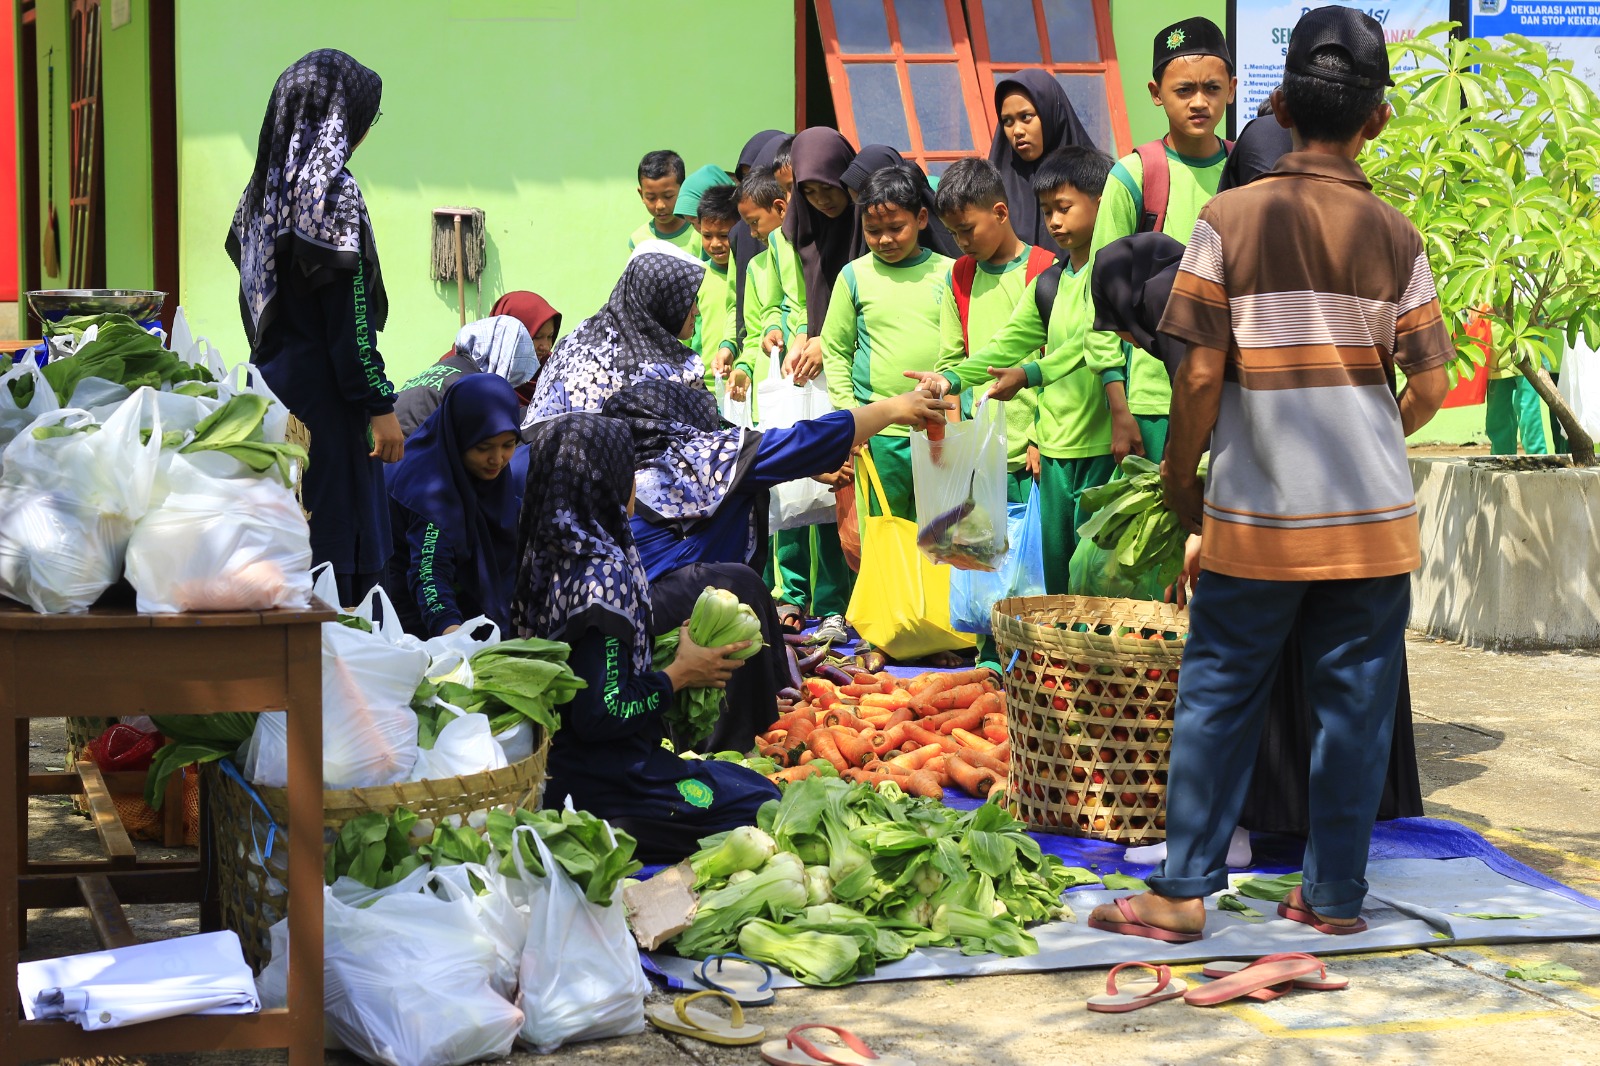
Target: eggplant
[(813, 660), (793, 695), (791, 664), (795, 639), (873, 662), (834, 674)]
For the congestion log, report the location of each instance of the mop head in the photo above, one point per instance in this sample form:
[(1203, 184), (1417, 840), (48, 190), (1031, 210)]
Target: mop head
[(444, 242)]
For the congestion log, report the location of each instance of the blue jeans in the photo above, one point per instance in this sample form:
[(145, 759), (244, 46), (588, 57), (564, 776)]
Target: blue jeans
[(1353, 646)]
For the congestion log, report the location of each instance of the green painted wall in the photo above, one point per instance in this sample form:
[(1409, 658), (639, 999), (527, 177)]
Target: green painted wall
[(536, 111), (1135, 24), (125, 67)]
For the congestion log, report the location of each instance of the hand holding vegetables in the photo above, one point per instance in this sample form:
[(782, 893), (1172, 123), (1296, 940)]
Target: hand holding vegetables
[(696, 666), (699, 657), (1184, 495)]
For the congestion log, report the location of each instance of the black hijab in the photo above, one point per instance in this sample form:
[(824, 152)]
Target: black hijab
[(302, 207), (759, 151), (478, 517), (874, 157), (823, 244), (580, 569), (1131, 283), (1261, 143), (1060, 127)]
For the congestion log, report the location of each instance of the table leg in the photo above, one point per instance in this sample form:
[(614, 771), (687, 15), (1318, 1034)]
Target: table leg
[(20, 733), (304, 720), (12, 784)]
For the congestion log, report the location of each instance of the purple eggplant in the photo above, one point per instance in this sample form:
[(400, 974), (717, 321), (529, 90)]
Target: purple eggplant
[(813, 659), (791, 664), (793, 695), (795, 639), (834, 674)]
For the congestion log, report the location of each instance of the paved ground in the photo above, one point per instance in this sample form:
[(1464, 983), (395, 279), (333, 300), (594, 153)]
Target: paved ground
[(1509, 743)]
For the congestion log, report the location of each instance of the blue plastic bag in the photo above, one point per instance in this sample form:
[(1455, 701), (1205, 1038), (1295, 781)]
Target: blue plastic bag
[(973, 593)]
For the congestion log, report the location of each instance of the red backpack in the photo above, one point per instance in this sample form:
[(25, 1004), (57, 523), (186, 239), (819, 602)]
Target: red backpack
[(965, 272), (1158, 185)]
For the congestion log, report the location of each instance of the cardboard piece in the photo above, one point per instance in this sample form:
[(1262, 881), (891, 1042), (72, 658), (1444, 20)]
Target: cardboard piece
[(662, 907)]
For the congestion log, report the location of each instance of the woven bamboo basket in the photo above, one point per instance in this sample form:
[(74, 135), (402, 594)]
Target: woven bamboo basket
[(297, 433), (247, 826), (1090, 686)]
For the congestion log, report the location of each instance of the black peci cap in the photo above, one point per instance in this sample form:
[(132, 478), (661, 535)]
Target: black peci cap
[(1192, 37), (1357, 35)]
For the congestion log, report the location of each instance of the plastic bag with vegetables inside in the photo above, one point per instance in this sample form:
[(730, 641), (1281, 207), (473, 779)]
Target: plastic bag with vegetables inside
[(960, 486)]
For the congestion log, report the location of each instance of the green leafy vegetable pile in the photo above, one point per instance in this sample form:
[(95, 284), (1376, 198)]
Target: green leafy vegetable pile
[(374, 849), (196, 738), (718, 619), (1130, 522), (596, 856), (511, 680), (837, 878), (121, 352), (237, 428)]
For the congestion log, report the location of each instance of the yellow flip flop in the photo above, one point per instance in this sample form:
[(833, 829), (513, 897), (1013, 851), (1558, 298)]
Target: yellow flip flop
[(703, 1024)]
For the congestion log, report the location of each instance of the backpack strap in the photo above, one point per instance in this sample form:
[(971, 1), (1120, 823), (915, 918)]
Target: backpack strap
[(962, 276), (1039, 260), (1157, 187), (1044, 292)]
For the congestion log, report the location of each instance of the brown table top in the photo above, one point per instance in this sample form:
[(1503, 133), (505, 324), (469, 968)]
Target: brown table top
[(17, 617)]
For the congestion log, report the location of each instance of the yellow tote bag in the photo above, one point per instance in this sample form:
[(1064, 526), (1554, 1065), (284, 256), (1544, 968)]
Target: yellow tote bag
[(901, 603)]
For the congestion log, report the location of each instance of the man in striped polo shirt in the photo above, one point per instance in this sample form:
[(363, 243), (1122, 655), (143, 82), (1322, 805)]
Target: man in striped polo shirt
[(1298, 296)]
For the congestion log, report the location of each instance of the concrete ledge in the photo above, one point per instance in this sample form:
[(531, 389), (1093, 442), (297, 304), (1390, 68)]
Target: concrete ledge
[(1510, 556)]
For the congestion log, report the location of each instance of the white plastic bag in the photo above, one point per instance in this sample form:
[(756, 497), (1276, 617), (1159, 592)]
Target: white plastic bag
[(581, 978), (409, 981), (960, 486), (195, 350), (112, 469), (15, 417), (464, 746), (369, 731), (517, 742), (449, 652), (57, 556), (224, 539), (805, 501), (1580, 385), (502, 919)]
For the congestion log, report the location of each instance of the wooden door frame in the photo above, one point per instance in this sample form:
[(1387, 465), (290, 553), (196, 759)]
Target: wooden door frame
[(164, 243)]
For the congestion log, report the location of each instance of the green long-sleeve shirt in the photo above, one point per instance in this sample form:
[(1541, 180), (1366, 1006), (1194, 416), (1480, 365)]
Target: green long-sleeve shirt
[(762, 308), (791, 284), (1191, 183), (688, 238), (995, 292), (716, 327), (1073, 420), (883, 320)]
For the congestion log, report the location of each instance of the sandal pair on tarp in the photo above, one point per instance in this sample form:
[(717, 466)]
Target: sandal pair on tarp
[(796, 1049), (1262, 980)]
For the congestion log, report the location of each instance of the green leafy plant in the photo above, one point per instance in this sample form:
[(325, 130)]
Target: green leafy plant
[(1494, 154)]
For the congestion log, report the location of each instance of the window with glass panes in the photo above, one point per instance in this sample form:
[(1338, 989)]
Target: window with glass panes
[(905, 73)]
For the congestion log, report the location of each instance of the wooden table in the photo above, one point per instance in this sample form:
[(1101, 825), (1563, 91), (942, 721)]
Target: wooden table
[(116, 661)]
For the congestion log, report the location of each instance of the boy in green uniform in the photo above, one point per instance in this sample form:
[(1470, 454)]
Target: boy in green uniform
[(811, 571), (1074, 426), (883, 319), (661, 175), (1192, 81), (715, 215)]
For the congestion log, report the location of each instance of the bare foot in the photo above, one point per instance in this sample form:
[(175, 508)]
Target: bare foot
[(1163, 912), (1297, 902), (946, 660)]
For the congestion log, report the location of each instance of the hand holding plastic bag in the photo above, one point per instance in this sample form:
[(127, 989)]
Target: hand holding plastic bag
[(960, 485), (805, 501)]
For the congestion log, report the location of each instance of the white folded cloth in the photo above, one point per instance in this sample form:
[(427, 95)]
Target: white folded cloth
[(203, 974)]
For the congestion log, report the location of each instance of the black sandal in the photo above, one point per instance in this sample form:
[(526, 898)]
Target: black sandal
[(791, 619)]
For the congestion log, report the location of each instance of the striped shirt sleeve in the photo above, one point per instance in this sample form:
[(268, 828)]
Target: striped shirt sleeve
[(1422, 339), (1198, 311)]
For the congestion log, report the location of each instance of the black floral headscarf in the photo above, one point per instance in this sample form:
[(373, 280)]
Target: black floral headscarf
[(302, 206)]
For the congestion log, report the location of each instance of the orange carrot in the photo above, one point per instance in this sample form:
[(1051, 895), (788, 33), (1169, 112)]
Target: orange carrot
[(994, 727), (857, 691), (924, 737), (936, 765), (890, 701), (976, 781), (891, 737), (826, 747), (898, 715), (970, 740), (923, 783), (806, 756), (960, 696), (801, 730), (795, 773), (921, 681), (777, 754), (839, 716), (864, 678), (854, 749), (983, 760), (914, 760), (817, 688)]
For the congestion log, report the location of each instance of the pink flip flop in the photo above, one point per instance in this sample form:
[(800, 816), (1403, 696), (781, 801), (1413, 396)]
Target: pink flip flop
[(1293, 908), (1136, 994), (1256, 978), (1324, 982), (796, 1050), (1134, 926)]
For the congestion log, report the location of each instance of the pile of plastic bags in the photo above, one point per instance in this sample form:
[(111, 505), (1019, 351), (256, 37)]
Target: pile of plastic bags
[(185, 485), (506, 937)]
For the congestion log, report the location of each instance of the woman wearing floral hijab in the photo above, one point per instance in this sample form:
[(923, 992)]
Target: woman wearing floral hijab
[(637, 336), (312, 299), (497, 345), (580, 581)]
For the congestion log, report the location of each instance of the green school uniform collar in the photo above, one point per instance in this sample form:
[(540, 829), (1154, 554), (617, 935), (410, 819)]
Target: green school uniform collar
[(922, 256), (1194, 162), (678, 236), (1006, 268)]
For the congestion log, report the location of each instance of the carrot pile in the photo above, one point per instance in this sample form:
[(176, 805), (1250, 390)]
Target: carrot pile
[(937, 730)]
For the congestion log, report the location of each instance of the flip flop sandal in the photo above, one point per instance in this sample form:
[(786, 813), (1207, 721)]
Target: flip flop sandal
[(1262, 975), (748, 981), (796, 1050), (704, 1025), (1134, 926), (1136, 994), (1325, 982), (791, 619), (1293, 908)]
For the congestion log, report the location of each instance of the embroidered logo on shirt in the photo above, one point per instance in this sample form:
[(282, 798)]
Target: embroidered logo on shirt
[(695, 793), (1175, 40)]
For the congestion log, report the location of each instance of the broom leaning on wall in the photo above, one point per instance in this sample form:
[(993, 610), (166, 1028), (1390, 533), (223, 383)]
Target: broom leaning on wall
[(458, 251)]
